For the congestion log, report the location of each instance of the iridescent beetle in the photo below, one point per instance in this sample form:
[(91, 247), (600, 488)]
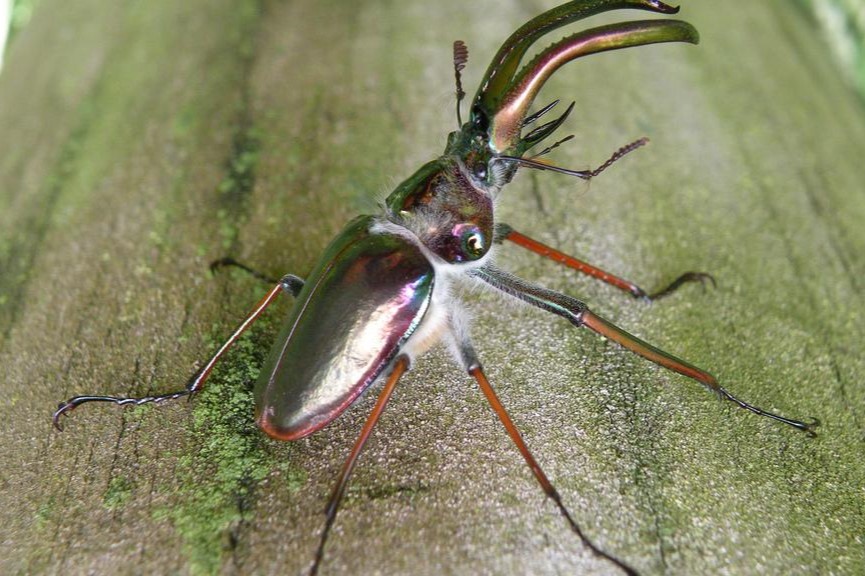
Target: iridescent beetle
[(381, 293)]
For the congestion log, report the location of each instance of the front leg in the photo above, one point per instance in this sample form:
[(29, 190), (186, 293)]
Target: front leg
[(580, 315), (506, 232)]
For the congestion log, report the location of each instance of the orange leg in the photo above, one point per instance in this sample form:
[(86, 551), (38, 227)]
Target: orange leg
[(478, 374), (473, 367), (289, 283), (399, 368), (505, 232), (579, 315)]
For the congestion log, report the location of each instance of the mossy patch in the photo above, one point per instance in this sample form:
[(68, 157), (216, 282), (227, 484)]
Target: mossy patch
[(237, 184), (229, 460), (118, 493)]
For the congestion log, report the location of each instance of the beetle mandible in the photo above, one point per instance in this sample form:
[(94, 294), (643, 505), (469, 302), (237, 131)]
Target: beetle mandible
[(381, 295)]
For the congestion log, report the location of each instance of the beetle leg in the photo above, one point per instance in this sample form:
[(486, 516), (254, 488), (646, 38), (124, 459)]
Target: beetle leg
[(196, 382), (290, 283), (579, 315), (505, 232), (399, 368), (475, 370)]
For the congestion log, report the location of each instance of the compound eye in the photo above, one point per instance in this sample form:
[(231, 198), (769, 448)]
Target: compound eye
[(479, 119), (480, 171), (473, 243)]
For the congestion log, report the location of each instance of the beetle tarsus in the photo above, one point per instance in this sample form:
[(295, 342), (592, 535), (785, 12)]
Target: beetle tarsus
[(62, 410), (702, 277), (231, 262), (810, 426), (806, 427), (585, 540), (290, 283)]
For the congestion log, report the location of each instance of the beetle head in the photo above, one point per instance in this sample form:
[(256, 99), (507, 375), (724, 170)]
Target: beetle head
[(507, 92), (448, 203)]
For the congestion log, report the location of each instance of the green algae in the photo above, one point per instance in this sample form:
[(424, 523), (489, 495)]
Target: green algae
[(220, 476), (120, 490)]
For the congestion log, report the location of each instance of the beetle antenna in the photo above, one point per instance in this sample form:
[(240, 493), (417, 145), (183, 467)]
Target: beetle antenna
[(461, 57), (543, 165), (618, 154), (583, 174)]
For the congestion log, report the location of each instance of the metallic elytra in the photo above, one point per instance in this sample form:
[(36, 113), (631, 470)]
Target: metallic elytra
[(362, 302), (383, 292)]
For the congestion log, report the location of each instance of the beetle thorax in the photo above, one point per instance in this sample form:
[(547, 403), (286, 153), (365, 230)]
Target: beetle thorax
[(448, 208)]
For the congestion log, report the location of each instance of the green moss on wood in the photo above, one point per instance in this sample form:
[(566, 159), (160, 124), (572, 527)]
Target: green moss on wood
[(219, 479)]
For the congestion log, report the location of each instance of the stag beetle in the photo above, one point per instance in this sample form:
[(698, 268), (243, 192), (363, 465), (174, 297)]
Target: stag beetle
[(381, 293)]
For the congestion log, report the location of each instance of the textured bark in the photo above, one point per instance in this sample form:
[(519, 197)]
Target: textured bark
[(140, 140)]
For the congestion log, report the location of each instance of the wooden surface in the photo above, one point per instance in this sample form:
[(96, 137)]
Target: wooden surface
[(139, 141)]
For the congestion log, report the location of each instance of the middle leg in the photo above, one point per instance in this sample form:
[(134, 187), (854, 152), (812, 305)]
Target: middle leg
[(579, 315)]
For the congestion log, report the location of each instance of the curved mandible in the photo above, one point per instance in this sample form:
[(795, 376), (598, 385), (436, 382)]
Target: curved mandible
[(504, 65), (507, 119)]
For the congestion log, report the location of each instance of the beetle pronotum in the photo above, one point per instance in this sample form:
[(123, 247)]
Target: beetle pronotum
[(380, 294)]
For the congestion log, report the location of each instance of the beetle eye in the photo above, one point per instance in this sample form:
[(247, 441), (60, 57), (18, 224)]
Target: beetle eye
[(474, 244), (480, 171), (479, 119)]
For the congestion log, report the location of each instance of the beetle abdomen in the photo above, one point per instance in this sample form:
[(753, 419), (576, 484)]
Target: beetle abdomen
[(364, 299)]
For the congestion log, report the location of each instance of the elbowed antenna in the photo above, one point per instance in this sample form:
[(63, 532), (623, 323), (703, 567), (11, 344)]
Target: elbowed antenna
[(461, 57)]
